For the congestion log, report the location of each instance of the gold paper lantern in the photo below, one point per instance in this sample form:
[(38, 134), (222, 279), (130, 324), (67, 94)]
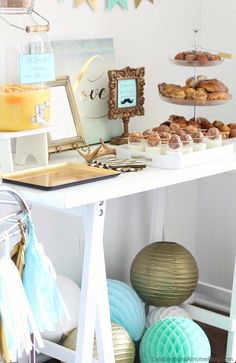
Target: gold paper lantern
[(124, 348), (164, 274)]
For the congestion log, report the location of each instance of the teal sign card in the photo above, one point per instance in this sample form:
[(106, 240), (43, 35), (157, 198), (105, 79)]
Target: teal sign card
[(127, 93), (37, 68)]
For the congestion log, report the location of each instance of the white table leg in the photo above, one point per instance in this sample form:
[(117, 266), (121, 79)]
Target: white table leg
[(231, 342), (156, 232), (6, 162), (94, 309)]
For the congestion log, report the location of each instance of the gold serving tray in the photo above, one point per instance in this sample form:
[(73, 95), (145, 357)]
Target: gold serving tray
[(190, 102), (58, 176)]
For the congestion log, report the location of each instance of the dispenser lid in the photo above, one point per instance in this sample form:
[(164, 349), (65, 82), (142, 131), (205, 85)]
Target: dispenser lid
[(16, 6)]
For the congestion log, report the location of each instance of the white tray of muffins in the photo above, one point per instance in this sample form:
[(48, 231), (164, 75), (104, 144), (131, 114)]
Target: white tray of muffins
[(177, 149)]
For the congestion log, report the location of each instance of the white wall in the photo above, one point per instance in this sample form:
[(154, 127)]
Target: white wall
[(215, 238), (143, 37)]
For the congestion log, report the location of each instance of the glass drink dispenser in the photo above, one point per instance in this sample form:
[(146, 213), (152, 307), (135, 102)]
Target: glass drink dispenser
[(26, 65)]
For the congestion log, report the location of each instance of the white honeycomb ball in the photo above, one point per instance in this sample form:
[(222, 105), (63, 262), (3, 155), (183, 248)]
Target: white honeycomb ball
[(163, 312)]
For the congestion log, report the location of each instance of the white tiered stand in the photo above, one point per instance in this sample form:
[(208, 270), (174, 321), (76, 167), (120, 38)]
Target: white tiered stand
[(90, 201)]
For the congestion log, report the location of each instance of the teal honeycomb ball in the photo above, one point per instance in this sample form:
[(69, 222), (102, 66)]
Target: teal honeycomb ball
[(164, 274), (177, 340), (126, 308)]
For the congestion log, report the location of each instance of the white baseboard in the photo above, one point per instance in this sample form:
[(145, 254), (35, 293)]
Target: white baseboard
[(213, 296)]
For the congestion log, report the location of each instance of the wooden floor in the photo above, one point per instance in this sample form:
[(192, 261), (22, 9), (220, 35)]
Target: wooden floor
[(217, 338)]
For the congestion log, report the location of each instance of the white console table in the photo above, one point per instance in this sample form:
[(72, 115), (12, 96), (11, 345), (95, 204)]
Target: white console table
[(91, 200)]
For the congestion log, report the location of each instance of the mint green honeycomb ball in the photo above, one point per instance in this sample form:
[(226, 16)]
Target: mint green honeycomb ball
[(175, 340)]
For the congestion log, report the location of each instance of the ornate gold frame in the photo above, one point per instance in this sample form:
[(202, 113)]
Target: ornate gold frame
[(72, 142), (125, 113)]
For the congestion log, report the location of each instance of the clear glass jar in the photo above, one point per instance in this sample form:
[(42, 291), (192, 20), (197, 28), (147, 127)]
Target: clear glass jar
[(26, 65), (198, 141), (153, 143), (213, 138), (136, 141), (187, 142)]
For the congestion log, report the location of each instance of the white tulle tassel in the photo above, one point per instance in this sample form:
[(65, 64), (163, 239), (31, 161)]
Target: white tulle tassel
[(17, 319)]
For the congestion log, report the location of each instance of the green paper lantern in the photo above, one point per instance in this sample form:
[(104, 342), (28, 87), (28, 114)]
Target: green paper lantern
[(124, 348), (164, 274), (177, 340)]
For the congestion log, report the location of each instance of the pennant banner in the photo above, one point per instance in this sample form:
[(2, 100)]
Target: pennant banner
[(122, 3), (137, 2), (110, 3), (92, 3)]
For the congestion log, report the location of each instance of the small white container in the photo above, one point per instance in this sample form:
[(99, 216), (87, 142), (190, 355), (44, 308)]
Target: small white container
[(198, 141), (213, 142), (187, 142), (187, 149), (153, 149), (173, 152), (199, 146)]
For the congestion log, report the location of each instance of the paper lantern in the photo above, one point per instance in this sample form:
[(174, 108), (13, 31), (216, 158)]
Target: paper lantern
[(164, 274), (124, 348), (70, 292), (174, 340), (158, 314), (126, 308)]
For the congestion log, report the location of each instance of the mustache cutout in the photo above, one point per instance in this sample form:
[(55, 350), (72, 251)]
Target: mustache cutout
[(126, 100)]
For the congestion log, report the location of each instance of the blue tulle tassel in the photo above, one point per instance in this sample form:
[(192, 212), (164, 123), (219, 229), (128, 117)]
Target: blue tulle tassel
[(17, 319), (39, 280)]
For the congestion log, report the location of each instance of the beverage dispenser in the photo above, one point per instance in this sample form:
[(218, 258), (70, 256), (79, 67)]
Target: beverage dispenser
[(26, 67)]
